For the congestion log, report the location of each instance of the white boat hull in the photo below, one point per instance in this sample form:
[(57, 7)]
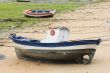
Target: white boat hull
[(89, 46), (66, 51)]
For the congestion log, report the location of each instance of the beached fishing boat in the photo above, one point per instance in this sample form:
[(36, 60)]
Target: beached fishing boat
[(56, 46), (39, 13)]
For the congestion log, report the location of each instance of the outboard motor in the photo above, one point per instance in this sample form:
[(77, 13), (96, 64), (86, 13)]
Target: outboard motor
[(56, 35)]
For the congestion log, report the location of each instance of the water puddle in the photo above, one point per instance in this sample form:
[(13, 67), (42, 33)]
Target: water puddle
[(2, 57)]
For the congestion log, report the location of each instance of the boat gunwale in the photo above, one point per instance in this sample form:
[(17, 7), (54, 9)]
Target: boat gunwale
[(37, 43)]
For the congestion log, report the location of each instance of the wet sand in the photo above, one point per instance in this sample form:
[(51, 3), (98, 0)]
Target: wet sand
[(86, 22)]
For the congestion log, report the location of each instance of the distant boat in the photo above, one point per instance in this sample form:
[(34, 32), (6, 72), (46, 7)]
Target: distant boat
[(56, 47), (39, 13)]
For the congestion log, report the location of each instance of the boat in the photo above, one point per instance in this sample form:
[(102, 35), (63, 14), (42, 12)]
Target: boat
[(56, 46), (39, 13)]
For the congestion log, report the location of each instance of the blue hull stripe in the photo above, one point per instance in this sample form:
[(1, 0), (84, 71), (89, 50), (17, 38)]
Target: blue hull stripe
[(36, 43)]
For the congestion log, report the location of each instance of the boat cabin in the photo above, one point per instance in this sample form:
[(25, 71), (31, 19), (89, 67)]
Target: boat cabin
[(55, 35)]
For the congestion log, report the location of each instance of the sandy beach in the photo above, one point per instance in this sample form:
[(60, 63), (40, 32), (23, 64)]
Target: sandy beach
[(91, 21)]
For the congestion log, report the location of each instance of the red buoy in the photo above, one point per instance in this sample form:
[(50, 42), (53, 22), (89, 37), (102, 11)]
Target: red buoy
[(52, 32)]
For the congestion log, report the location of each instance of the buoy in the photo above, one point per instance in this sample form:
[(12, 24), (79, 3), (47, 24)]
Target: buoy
[(52, 32)]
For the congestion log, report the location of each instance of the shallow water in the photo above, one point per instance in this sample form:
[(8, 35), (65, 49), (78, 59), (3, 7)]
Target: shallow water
[(2, 57)]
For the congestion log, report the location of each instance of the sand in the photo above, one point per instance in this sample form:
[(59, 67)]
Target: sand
[(86, 22)]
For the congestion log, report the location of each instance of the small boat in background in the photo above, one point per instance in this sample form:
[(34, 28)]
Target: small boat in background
[(39, 13), (56, 46)]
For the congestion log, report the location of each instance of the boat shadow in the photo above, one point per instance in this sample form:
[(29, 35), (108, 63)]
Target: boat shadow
[(39, 17)]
